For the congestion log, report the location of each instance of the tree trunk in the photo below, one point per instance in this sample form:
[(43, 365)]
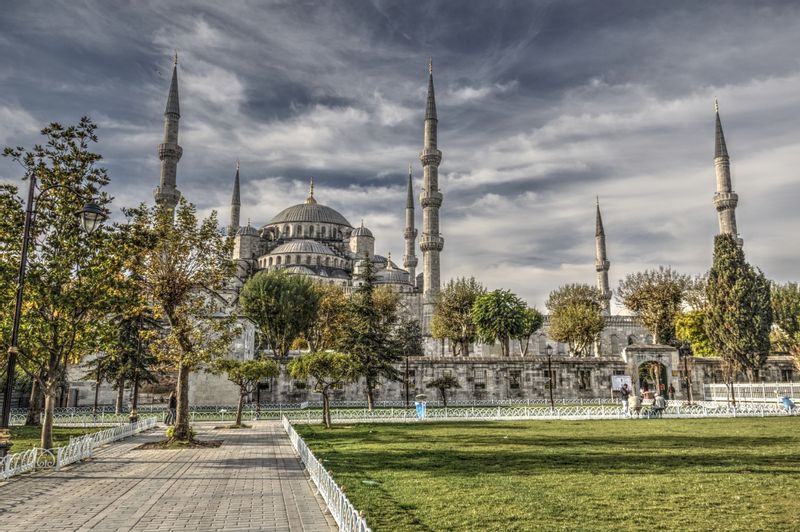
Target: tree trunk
[(33, 419), (96, 391), (326, 409), (370, 395), (444, 396), (239, 407), (120, 396), (47, 423), (182, 430)]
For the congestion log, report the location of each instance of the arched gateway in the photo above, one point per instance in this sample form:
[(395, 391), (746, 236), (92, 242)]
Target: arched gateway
[(662, 358)]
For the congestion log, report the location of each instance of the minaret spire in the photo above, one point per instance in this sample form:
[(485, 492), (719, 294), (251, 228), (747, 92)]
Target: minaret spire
[(169, 152), (410, 233), (431, 243), (236, 203), (725, 199), (601, 262)]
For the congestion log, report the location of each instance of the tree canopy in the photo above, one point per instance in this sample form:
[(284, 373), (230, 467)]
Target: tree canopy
[(575, 316), (329, 370), (656, 296), (284, 306), (246, 374), (499, 316), (452, 314)]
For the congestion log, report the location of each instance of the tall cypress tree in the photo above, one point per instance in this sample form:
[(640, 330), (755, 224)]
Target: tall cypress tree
[(740, 311)]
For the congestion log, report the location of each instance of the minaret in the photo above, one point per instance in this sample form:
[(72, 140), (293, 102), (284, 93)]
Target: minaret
[(601, 262), (725, 199), (169, 152), (236, 203), (431, 243), (410, 234)]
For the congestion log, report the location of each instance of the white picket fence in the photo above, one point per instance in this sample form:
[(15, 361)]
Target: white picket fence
[(764, 392), (342, 510), (77, 449)]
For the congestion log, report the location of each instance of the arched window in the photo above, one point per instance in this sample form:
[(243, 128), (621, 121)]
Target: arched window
[(308, 259), (615, 344), (310, 230), (648, 339), (285, 230), (270, 261), (327, 261), (322, 231), (298, 231), (319, 260), (278, 260), (632, 339)]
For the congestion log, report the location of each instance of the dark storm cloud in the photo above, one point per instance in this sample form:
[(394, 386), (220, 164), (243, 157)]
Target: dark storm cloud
[(542, 107)]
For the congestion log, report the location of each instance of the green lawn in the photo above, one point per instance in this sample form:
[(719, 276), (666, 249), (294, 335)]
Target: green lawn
[(695, 474), (25, 438)]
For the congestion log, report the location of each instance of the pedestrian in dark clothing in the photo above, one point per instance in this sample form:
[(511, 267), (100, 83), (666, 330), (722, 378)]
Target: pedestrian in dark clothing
[(671, 392), (173, 406)]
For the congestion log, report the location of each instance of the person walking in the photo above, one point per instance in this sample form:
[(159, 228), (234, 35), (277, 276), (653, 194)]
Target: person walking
[(173, 406), (625, 393), (671, 392)]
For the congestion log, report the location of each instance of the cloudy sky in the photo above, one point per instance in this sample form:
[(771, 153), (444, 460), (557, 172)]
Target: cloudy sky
[(542, 106)]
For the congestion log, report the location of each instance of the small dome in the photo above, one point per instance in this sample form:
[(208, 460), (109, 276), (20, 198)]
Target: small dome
[(393, 276), (247, 230), (303, 270), (302, 246), (361, 231)]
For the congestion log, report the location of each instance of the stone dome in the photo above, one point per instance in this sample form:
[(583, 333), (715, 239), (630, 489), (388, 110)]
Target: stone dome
[(361, 231), (391, 277), (309, 212), (302, 246)]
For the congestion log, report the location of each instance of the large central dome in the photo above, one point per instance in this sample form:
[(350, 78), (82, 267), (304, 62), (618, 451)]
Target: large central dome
[(310, 212)]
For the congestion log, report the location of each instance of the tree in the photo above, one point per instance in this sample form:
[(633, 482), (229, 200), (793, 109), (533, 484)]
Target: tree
[(371, 320), (326, 328), (786, 313), (246, 374), (690, 326), (181, 263), (329, 370), (409, 341), (499, 316), (656, 297), (575, 316), (444, 384), (740, 311), (283, 305), (452, 313), (532, 321), (71, 275)]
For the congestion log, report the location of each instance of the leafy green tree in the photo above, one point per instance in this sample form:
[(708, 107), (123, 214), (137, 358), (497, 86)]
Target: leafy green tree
[(452, 313), (499, 316), (69, 284), (369, 335), (409, 342), (740, 311), (786, 313), (329, 321), (656, 297), (283, 305), (690, 326), (444, 384), (532, 321), (181, 263), (575, 316), (246, 374), (329, 370)]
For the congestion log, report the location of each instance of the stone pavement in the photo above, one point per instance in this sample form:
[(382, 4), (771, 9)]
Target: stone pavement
[(254, 481)]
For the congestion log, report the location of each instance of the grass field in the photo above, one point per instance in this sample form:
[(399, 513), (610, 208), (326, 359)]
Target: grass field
[(25, 438), (669, 474)]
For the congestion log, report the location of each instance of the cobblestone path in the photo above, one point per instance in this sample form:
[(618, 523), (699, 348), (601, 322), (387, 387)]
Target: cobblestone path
[(254, 481)]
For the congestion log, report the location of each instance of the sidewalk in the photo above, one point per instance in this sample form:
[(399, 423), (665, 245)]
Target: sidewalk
[(254, 481)]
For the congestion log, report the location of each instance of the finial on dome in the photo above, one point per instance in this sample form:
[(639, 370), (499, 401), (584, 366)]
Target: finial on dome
[(310, 198), (716, 105), (362, 222), (389, 260), (248, 222)]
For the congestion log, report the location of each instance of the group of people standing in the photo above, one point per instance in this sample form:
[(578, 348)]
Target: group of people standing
[(632, 403)]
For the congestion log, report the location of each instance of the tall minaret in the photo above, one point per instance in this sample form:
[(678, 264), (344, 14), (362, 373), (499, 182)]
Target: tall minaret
[(601, 263), (725, 199), (169, 152), (236, 203), (410, 234), (430, 198)]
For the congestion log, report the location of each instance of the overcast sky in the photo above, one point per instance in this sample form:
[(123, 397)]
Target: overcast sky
[(542, 106)]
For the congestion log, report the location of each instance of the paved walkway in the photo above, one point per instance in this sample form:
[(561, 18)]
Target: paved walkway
[(254, 481)]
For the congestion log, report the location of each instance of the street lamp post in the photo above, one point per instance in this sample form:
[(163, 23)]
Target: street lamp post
[(550, 374), (91, 216)]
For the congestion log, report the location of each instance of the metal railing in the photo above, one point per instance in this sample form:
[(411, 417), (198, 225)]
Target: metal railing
[(342, 510), (675, 409), (77, 449), (764, 392)]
